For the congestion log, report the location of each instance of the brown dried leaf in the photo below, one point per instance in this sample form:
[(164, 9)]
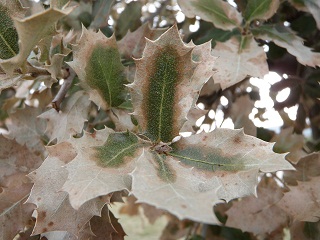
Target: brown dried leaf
[(261, 212)]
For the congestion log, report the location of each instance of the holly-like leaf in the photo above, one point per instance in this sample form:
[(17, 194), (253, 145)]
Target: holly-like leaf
[(27, 129), (133, 43), (31, 30), (96, 60), (162, 182), (302, 201), (70, 119), (102, 169), (8, 34), (262, 213), (236, 60), (286, 38), (237, 169), (260, 9), (54, 210), (166, 84), (220, 13)]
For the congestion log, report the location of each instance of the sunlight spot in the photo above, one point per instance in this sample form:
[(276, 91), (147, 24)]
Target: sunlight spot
[(249, 89), (151, 8), (286, 24), (185, 134), (61, 81), (194, 27), (224, 101), (201, 106), (211, 114), (283, 95), (180, 17), (200, 121), (228, 123), (265, 48), (232, 3), (285, 76), (292, 112)]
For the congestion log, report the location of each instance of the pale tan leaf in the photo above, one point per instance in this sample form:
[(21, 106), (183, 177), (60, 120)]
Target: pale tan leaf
[(31, 30), (70, 119), (7, 81), (89, 178), (231, 156), (261, 212), (54, 212), (238, 60), (186, 197)]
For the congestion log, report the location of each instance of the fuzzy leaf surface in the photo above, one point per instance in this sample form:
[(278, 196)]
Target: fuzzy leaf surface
[(220, 13), (31, 30), (102, 169), (8, 34), (162, 182), (70, 119), (55, 212), (96, 60), (237, 168), (237, 60), (260, 9), (286, 38), (166, 84)]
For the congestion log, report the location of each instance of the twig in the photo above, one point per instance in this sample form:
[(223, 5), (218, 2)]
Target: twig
[(63, 90)]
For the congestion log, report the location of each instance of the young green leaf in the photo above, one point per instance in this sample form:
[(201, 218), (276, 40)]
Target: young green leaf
[(96, 60), (286, 38), (166, 84), (236, 60), (31, 30), (220, 13), (8, 34), (260, 9)]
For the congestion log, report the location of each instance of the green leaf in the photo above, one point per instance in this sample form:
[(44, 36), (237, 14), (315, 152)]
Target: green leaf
[(187, 196), (96, 60), (129, 19), (103, 167), (117, 148), (8, 35), (100, 11), (220, 13), (232, 156), (260, 9), (31, 30), (286, 38), (166, 84)]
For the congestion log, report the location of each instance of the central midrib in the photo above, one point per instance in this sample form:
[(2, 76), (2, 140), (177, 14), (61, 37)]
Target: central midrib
[(161, 104)]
